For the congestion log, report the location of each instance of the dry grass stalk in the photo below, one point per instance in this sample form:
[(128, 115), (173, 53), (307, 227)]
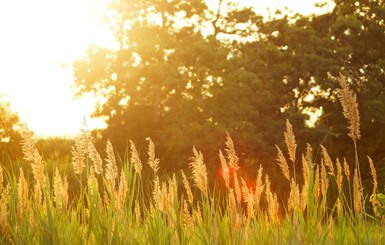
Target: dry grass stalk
[(60, 190), (95, 158), (111, 167), (199, 171), (157, 194), (122, 192), (4, 214), (1, 177), (346, 170), (138, 217), (152, 160), (357, 192), (237, 188), (234, 215), (282, 163), (340, 177), (198, 215), (258, 188), (290, 141), (22, 193), (317, 188), (374, 175), (231, 154), (305, 170), (135, 159), (248, 198), (327, 160), (225, 169), (31, 154), (38, 194), (294, 197), (92, 183), (78, 154), (187, 219), (272, 202), (186, 184), (324, 180), (350, 108)]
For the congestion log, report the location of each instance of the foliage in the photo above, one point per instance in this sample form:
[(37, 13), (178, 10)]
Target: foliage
[(9, 134)]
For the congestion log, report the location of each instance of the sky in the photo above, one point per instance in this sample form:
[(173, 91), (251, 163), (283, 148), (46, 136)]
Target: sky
[(40, 39)]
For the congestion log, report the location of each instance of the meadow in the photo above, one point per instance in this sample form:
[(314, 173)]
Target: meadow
[(119, 205)]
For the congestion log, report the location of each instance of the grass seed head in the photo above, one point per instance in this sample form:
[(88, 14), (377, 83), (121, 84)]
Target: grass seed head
[(350, 108)]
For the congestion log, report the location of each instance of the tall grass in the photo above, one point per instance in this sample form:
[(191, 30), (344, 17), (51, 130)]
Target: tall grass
[(113, 207)]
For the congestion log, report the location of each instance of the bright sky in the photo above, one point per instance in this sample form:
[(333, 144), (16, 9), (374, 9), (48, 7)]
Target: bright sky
[(38, 37)]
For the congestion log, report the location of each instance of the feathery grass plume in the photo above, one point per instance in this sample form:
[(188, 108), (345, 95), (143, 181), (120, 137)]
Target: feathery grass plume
[(234, 215), (272, 201), (31, 154), (248, 198), (374, 175), (4, 213), (60, 190), (231, 154), (309, 154), (38, 194), (187, 220), (138, 217), (357, 192), (282, 163), (78, 154), (22, 193), (92, 183), (186, 184), (57, 184), (95, 157), (324, 180), (1, 177), (157, 194), (225, 169), (340, 177), (135, 159), (346, 170), (152, 160), (305, 170), (317, 187), (237, 188), (122, 192), (258, 188), (111, 167), (349, 104), (294, 196), (339, 206), (290, 141), (327, 160), (199, 172), (198, 215)]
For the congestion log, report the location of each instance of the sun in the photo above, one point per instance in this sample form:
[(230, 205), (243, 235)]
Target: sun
[(39, 38)]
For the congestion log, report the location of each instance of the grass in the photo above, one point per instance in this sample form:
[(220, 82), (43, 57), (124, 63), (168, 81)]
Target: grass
[(112, 206)]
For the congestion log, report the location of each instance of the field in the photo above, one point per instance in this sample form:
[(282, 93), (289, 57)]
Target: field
[(117, 205)]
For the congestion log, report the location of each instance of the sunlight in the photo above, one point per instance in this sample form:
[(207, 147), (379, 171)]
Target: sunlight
[(39, 38), (39, 41)]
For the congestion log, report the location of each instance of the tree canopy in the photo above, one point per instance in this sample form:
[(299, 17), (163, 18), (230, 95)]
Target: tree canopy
[(9, 134), (184, 74)]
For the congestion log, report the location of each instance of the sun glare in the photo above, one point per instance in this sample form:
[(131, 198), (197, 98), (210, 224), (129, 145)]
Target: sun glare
[(40, 39)]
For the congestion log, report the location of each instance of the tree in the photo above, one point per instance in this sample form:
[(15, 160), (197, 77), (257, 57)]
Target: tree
[(9, 134), (160, 81)]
